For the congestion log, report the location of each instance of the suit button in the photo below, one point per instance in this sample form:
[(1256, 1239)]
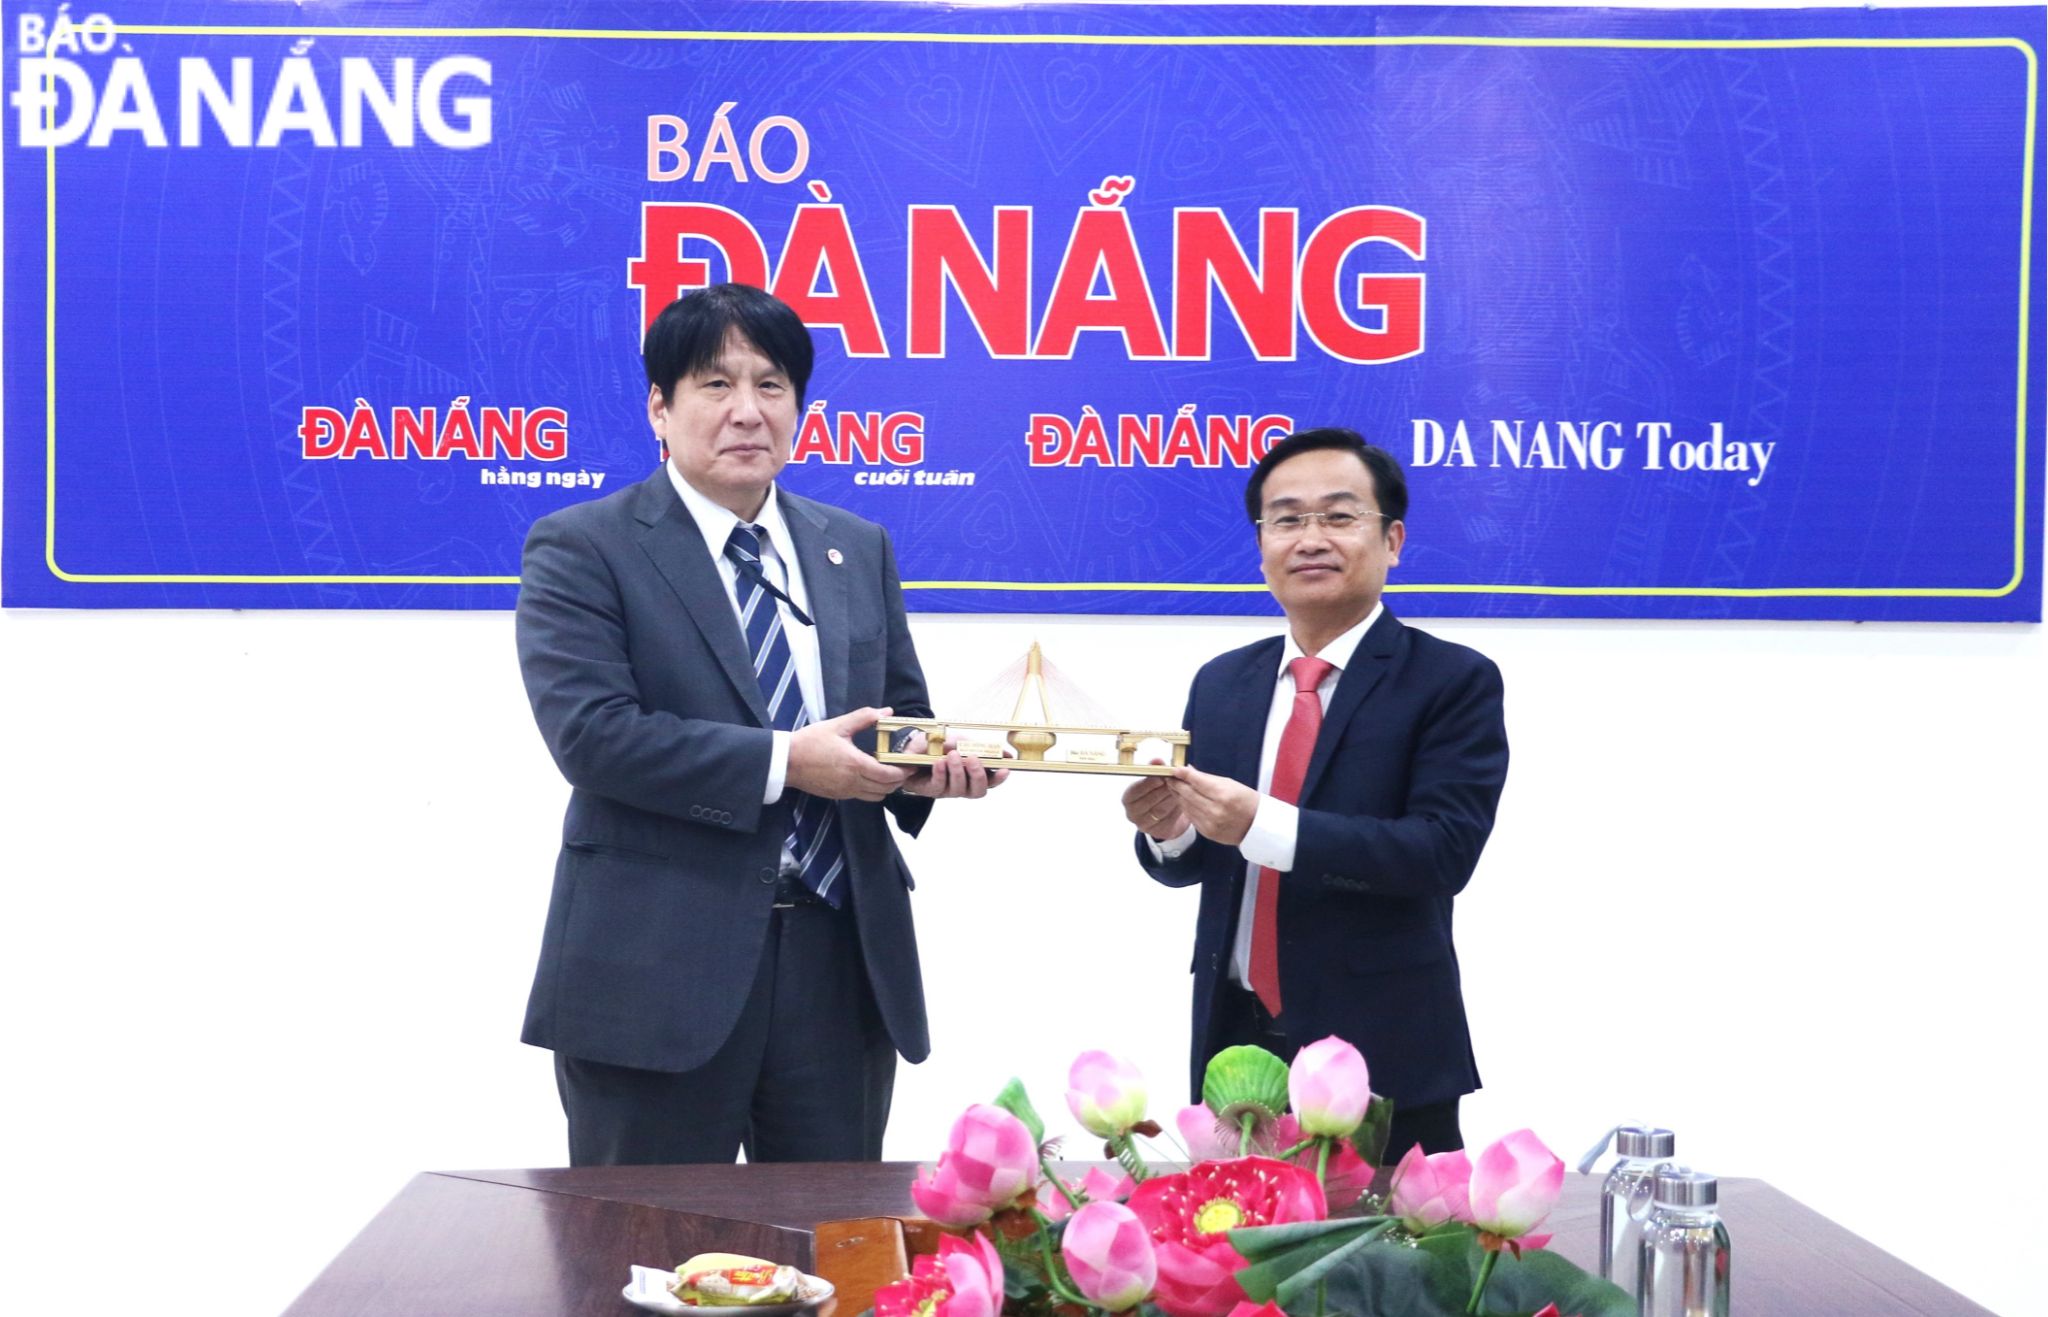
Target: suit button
[(696, 811), (768, 876), (725, 816)]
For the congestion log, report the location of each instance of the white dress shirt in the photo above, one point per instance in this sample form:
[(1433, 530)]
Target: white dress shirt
[(779, 565), (1269, 842)]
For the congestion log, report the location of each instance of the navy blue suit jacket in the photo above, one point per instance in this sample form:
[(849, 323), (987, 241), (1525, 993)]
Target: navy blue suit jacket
[(644, 689), (1397, 803)]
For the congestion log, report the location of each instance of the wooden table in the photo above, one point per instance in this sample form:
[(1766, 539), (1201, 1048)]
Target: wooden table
[(557, 1243)]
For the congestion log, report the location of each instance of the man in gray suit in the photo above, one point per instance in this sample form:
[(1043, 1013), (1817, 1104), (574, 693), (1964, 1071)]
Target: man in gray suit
[(729, 959)]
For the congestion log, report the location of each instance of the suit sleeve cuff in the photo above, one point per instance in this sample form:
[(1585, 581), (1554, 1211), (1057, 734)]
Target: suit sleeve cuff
[(778, 766), (1173, 849), (1269, 842)]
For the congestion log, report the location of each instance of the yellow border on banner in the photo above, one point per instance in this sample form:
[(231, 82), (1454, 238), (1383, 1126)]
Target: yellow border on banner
[(1070, 39)]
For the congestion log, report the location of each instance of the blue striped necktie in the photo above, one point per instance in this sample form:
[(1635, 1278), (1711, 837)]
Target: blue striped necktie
[(813, 824)]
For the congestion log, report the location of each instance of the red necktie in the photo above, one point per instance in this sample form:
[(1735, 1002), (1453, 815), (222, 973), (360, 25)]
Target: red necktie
[(1297, 744)]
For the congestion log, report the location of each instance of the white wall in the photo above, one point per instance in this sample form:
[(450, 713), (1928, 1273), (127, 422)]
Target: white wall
[(277, 880)]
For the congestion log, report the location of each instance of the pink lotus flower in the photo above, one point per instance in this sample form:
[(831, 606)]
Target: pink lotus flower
[(1515, 1183), (1106, 1095), (1110, 1255), (1346, 1176), (1328, 1087), (1098, 1186), (976, 1273), (963, 1279), (989, 1161), (1207, 1139), (916, 1295), (1431, 1190), (1189, 1217), (938, 1193), (1267, 1309)]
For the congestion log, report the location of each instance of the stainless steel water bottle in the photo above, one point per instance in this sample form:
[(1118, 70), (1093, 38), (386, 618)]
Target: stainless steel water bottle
[(1625, 1200), (1684, 1270), (1625, 1196)]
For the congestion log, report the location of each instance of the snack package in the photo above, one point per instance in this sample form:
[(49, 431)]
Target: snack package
[(728, 1280)]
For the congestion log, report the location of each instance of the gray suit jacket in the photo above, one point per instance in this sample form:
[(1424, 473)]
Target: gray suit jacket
[(643, 687)]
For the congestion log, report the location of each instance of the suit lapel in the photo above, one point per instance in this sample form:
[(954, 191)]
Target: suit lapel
[(677, 549), (1238, 756), (1369, 662), (826, 584)]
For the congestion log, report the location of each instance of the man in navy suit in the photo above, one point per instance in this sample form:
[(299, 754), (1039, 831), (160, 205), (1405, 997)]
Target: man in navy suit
[(728, 960), (1341, 783)]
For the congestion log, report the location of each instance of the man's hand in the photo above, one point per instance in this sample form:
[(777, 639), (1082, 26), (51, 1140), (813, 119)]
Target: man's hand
[(824, 761), (956, 775), (1220, 808), (1153, 809)]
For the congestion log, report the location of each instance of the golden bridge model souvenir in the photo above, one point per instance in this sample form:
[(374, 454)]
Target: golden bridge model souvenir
[(1039, 740)]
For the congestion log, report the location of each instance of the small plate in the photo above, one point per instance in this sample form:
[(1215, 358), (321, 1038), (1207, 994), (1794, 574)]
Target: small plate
[(649, 1289)]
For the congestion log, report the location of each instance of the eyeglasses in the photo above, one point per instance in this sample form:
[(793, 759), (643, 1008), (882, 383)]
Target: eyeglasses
[(1288, 525)]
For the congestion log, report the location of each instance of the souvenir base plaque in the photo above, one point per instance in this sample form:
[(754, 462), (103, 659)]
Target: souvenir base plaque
[(1031, 742), (1037, 745)]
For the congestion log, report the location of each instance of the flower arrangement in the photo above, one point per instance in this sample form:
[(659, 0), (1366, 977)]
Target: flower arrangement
[(1274, 1217)]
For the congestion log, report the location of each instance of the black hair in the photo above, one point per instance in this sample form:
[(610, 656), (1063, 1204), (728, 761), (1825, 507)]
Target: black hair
[(1389, 486), (689, 335)]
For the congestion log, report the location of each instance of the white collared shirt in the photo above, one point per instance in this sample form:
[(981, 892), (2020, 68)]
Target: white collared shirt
[(779, 565), (1269, 842)]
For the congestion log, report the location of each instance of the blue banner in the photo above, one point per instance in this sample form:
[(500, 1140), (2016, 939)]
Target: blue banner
[(1695, 314)]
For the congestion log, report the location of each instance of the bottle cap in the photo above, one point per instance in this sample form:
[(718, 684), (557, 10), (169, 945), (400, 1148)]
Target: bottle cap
[(1640, 1141), (1630, 1140), (1677, 1187)]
